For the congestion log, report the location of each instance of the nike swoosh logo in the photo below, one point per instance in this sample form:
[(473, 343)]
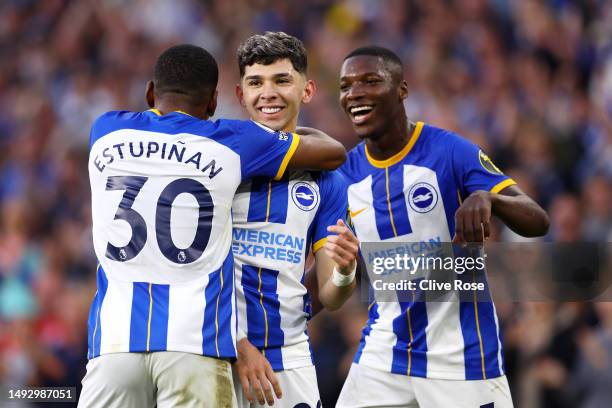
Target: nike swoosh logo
[(353, 214)]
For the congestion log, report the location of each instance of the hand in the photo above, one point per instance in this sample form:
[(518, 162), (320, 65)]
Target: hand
[(472, 219), (255, 372), (342, 248)]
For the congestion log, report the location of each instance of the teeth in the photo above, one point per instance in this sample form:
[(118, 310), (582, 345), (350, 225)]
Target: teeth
[(362, 108), (270, 110)]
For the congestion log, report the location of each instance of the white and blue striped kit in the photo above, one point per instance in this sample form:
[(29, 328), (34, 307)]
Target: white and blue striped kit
[(162, 188), (276, 223), (412, 197)]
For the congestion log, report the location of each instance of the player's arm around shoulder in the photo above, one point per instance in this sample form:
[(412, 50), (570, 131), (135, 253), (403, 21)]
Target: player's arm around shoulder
[(317, 150), (335, 266), (255, 373)]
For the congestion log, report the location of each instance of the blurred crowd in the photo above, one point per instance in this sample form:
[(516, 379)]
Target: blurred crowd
[(530, 81)]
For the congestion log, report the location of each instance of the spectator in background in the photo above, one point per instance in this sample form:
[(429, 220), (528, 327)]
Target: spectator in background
[(485, 69)]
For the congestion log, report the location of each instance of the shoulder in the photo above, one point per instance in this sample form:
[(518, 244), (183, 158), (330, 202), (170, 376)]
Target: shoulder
[(447, 144), (112, 121), (356, 165), (433, 136), (244, 126)]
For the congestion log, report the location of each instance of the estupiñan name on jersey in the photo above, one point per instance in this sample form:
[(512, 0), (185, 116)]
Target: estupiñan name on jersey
[(162, 188)]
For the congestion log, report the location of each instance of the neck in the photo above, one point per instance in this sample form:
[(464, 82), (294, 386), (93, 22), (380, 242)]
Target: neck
[(169, 104), (391, 141), (291, 126)]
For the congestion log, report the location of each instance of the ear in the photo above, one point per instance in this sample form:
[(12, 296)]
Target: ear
[(403, 89), (150, 94), (309, 90), (240, 95), (212, 105)]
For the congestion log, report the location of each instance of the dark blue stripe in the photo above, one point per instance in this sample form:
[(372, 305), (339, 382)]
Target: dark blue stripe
[(209, 328), (258, 202), (372, 318), (418, 346), (217, 340), (225, 339), (159, 317), (139, 317), (256, 318), (488, 332), (269, 287), (398, 200), (471, 342), (419, 321), (275, 357), (381, 208), (94, 328), (255, 321), (307, 308)]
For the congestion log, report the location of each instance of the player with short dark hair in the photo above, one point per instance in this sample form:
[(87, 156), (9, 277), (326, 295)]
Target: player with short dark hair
[(413, 182), (270, 47), (277, 224), (162, 322), (186, 70)]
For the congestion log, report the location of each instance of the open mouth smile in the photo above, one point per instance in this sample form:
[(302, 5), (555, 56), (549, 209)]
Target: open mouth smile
[(360, 113), (270, 110)]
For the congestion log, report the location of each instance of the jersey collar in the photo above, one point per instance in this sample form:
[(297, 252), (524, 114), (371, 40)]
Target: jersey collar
[(158, 113), (399, 156)]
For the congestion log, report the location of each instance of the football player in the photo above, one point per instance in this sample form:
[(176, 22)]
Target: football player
[(413, 182), (162, 323), (277, 223)]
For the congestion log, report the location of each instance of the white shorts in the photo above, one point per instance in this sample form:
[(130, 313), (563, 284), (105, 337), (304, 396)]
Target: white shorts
[(165, 378), (369, 387), (299, 386)]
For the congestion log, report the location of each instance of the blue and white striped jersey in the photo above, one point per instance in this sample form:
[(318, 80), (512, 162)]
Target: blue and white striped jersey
[(275, 225), (162, 188), (412, 197)]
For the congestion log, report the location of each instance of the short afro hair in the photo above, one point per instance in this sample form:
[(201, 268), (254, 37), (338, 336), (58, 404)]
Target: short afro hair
[(188, 70), (270, 47), (391, 60)]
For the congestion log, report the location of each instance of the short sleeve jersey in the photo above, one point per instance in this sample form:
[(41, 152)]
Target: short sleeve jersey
[(162, 188)]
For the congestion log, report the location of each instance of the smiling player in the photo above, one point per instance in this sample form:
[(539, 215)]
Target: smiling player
[(162, 322), (276, 225), (412, 182)]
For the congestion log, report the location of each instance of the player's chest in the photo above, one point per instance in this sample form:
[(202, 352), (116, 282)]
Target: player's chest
[(404, 201), (290, 203)]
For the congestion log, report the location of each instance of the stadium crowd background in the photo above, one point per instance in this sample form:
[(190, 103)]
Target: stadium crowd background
[(529, 81)]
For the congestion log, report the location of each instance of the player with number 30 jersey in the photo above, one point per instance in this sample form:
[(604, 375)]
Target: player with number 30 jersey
[(162, 188), (162, 324)]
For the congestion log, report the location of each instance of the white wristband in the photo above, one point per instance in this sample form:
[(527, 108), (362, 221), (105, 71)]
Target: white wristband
[(341, 280)]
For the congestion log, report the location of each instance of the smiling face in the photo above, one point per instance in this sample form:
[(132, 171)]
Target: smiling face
[(272, 94), (371, 94)]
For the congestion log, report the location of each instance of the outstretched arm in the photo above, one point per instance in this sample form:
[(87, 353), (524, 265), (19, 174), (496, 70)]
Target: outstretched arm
[(519, 212), (317, 151)]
